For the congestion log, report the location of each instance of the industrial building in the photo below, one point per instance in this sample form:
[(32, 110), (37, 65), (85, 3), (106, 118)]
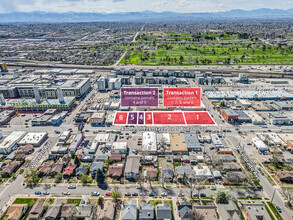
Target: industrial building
[(192, 143), (33, 138), (260, 145), (279, 119), (98, 118), (216, 140), (149, 143), (10, 142)]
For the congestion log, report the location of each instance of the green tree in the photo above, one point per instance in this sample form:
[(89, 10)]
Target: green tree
[(116, 195), (84, 178), (100, 201), (58, 178), (222, 197), (100, 177)]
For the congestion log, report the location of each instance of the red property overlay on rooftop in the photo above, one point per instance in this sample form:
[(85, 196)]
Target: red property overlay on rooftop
[(148, 118), (198, 118), (168, 118), (182, 97), (120, 118)]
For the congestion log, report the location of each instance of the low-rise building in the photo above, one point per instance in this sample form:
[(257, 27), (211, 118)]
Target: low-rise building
[(132, 168), (119, 148), (33, 138), (178, 144), (149, 143), (254, 211), (10, 142), (98, 118)]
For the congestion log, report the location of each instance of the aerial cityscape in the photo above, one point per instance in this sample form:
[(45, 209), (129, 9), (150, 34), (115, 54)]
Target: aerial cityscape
[(146, 110)]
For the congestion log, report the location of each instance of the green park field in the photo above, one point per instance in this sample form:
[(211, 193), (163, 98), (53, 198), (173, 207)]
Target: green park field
[(209, 54)]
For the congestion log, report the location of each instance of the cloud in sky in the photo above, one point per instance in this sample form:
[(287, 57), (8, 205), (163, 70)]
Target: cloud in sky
[(139, 5)]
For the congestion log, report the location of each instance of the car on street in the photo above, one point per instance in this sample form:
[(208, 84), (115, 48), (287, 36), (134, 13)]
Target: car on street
[(203, 195), (71, 187), (181, 194), (95, 193), (213, 188), (195, 195), (38, 193), (134, 194), (127, 194), (108, 194), (66, 193), (279, 209), (152, 194), (163, 194), (46, 193), (138, 187)]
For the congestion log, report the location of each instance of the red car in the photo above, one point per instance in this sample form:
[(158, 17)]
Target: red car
[(108, 194)]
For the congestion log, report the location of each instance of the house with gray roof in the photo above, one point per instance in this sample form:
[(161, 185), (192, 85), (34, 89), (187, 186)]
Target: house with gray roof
[(184, 170), (132, 167), (229, 211), (146, 211), (185, 211), (192, 142), (82, 169), (163, 212), (53, 212), (129, 211), (84, 211), (95, 167)]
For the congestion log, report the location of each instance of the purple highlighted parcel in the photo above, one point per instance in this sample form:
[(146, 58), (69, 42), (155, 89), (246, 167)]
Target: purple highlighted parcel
[(132, 118), (139, 97)]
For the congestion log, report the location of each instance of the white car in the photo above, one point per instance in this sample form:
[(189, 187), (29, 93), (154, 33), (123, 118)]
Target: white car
[(66, 193), (95, 193)]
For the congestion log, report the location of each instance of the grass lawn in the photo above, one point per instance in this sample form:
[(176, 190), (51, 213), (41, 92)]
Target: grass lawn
[(28, 201), (155, 202), (51, 201), (204, 54), (275, 211), (73, 201), (4, 217), (269, 211)]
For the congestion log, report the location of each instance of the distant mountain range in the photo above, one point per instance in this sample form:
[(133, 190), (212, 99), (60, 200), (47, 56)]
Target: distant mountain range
[(51, 17)]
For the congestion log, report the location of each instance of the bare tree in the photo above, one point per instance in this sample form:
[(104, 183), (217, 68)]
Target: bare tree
[(197, 215), (288, 194)]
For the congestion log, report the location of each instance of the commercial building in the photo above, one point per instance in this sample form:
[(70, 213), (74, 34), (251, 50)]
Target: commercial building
[(280, 119), (149, 143), (216, 140), (192, 143), (178, 145), (10, 142), (5, 116), (229, 115), (119, 148), (255, 118), (33, 138), (98, 118), (260, 145)]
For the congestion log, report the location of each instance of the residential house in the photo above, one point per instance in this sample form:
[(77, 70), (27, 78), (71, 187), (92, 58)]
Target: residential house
[(36, 211), (202, 172), (151, 173), (185, 211), (53, 212), (184, 171), (8, 169), (26, 149), (231, 167), (101, 157), (87, 158), (229, 211), (285, 176), (208, 211), (129, 211), (67, 210), (163, 212), (132, 167), (95, 167), (16, 211), (146, 211), (254, 211), (56, 168), (115, 171), (115, 157), (69, 171), (84, 212), (45, 168), (82, 169), (108, 211), (167, 173)]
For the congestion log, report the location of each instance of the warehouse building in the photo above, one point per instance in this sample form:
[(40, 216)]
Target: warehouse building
[(33, 138), (192, 143), (10, 142), (255, 118), (260, 145), (149, 143)]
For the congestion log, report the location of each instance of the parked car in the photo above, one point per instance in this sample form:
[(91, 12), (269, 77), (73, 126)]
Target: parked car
[(138, 187), (213, 188), (203, 195), (279, 209), (108, 194), (152, 194), (127, 194), (163, 194), (46, 193), (38, 193), (95, 193), (66, 193), (134, 194), (71, 187)]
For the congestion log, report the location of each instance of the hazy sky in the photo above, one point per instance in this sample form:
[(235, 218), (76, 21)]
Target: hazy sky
[(140, 5)]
